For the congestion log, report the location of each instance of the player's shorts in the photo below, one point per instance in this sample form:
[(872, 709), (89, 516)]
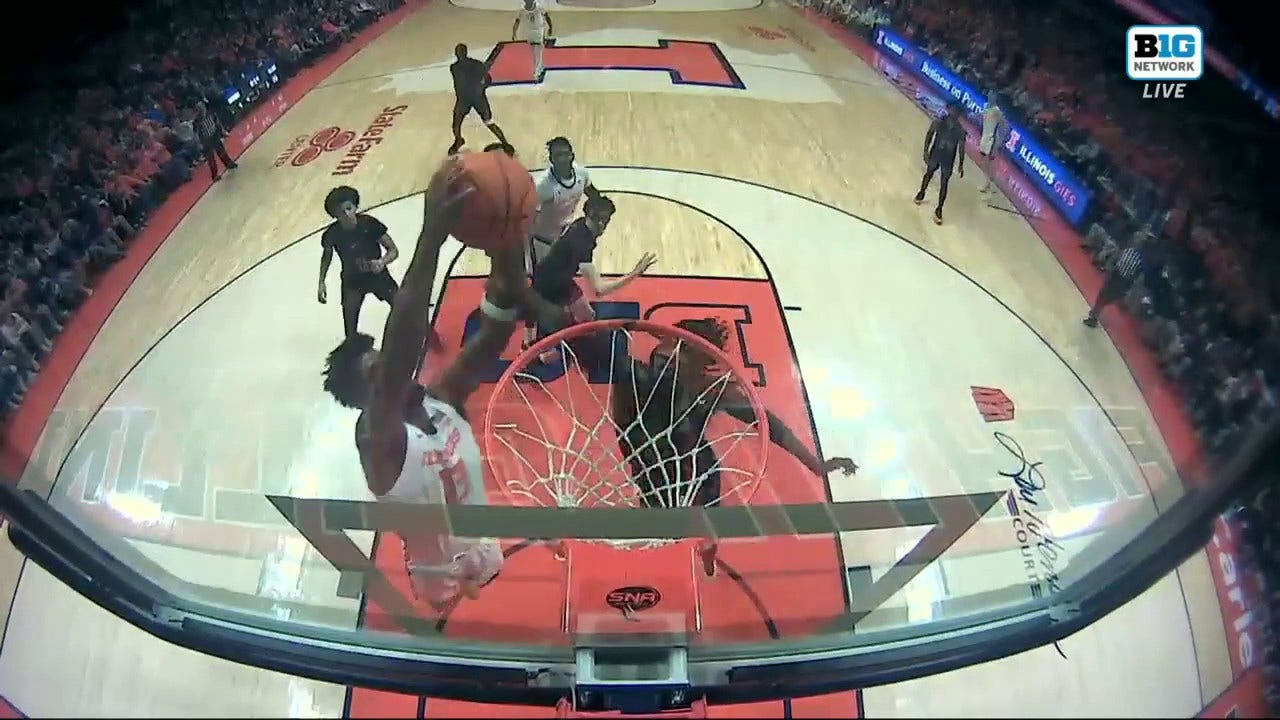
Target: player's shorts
[(564, 295), (943, 163), (577, 308), (381, 285), (479, 102)]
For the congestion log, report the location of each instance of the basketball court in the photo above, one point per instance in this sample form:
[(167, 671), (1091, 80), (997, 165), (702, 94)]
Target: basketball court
[(770, 164)]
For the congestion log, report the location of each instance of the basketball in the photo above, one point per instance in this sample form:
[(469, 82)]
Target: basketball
[(499, 209)]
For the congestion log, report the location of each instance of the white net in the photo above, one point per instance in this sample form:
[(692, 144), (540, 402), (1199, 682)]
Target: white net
[(634, 422)]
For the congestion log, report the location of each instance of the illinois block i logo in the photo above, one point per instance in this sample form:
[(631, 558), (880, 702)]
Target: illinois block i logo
[(1164, 58)]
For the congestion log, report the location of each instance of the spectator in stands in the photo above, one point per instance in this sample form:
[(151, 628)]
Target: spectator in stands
[(21, 335)]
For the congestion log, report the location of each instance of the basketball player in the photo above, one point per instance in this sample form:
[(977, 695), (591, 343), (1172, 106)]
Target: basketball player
[(537, 26), (572, 255), (470, 89), (672, 398), (365, 250), (560, 191), (993, 130), (943, 146), (414, 442)]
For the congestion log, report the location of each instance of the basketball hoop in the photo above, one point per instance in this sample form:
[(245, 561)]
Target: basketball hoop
[(551, 439)]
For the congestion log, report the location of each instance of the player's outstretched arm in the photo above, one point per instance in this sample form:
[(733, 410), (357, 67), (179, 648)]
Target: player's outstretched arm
[(498, 321), (602, 287), (408, 324), (782, 436)]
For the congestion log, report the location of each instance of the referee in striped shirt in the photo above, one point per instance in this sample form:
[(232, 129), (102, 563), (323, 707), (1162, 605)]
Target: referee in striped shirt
[(209, 131), (1124, 272)]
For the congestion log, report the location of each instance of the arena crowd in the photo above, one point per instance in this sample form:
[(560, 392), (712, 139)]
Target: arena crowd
[(106, 138), (1183, 182)]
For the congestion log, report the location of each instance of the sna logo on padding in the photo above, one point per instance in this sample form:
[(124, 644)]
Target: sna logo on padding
[(633, 599)]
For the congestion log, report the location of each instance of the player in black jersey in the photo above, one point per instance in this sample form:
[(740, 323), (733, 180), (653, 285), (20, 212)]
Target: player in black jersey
[(672, 464), (470, 89), (943, 150), (364, 249), (573, 254)]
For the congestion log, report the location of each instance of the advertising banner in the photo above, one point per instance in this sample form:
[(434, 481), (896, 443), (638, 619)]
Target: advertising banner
[(1066, 192)]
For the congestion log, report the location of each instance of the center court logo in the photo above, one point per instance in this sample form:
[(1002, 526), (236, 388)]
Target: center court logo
[(306, 149)]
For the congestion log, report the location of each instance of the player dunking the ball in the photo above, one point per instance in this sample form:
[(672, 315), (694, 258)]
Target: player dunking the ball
[(671, 396), (414, 442), (470, 89), (943, 150)]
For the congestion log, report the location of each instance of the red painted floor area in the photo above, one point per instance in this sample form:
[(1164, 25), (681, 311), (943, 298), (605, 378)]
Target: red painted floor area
[(797, 580)]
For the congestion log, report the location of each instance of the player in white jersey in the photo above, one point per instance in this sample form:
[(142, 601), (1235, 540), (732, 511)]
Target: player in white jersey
[(415, 443), (993, 130), (560, 192), (537, 27)]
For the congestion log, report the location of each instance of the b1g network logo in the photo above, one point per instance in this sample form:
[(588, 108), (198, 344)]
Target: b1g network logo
[(1164, 58)]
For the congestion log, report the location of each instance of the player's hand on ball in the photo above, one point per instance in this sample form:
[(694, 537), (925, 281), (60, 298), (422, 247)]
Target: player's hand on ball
[(843, 464), (444, 195), (644, 264)]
